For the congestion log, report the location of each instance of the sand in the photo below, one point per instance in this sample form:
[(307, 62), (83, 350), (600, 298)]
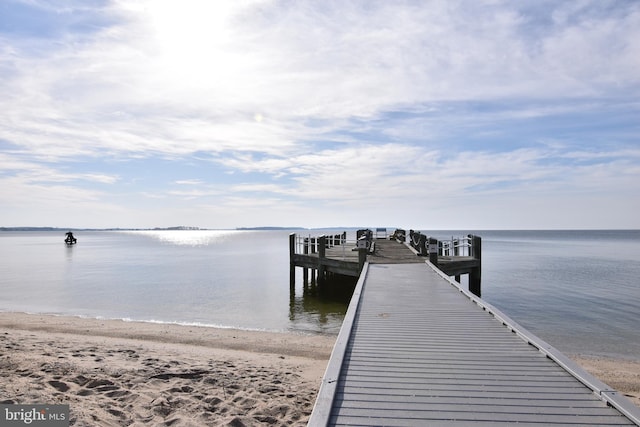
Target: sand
[(622, 375), (115, 373)]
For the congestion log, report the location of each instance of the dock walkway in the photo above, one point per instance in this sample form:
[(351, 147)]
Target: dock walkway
[(416, 349)]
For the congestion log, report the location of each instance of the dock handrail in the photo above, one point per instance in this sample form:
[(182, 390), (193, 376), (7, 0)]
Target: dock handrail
[(325, 254), (457, 246), (308, 244), (467, 250)]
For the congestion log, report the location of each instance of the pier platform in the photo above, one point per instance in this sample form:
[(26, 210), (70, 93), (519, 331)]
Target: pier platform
[(415, 349), (335, 255)]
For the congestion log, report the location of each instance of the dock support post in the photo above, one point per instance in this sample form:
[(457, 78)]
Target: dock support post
[(292, 278), (433, 251), (362, 258), (322, 250), (476, 272), (305, 270), (292, 266)]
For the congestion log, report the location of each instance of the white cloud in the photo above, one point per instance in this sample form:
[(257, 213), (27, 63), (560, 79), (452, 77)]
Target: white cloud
[(337, 103), (189, 182), (179, 79)]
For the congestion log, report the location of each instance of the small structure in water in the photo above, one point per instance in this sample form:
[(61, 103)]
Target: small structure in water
[(70, 239)]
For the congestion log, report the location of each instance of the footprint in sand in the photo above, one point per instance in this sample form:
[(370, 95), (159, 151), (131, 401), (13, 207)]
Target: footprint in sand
[(245, 402), (59, 385), (117, 394), (116, 413), (81, 380), (99, 383)]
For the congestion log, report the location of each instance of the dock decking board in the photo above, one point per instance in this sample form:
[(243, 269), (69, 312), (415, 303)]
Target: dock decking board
[(420, 352)]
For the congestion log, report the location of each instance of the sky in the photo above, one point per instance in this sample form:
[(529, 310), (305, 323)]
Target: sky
[(452, 114)]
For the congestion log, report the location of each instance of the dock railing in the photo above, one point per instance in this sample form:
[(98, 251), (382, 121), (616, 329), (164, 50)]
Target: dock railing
[(457, 246), (460, 255), (335, 254), (311, 244), (326, 254)]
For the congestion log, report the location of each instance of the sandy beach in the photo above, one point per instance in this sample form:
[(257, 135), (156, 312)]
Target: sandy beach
[(115, 373)]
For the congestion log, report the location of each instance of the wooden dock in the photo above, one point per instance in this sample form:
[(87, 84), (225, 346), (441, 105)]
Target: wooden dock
[(334, 254), (416, 349)]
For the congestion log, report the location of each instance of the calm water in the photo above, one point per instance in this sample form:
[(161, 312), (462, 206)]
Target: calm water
[(579, 290)]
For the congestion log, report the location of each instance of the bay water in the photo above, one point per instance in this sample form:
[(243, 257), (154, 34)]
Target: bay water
[(578, 290)]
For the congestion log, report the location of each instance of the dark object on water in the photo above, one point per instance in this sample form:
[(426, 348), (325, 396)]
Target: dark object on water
[(69, 239)]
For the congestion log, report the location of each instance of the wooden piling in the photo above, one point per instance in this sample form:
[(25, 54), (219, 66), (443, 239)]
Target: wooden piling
[(433, 251), (362, 257), (322, 251), (476, 272), (292, 265), (305, 270)]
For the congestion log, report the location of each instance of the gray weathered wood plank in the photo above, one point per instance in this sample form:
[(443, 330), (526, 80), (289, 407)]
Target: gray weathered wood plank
[(420, 351)]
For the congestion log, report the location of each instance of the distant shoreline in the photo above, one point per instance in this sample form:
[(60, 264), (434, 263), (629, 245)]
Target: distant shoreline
[(275, 228), (178, 228), (98, 229), (269, 228)]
